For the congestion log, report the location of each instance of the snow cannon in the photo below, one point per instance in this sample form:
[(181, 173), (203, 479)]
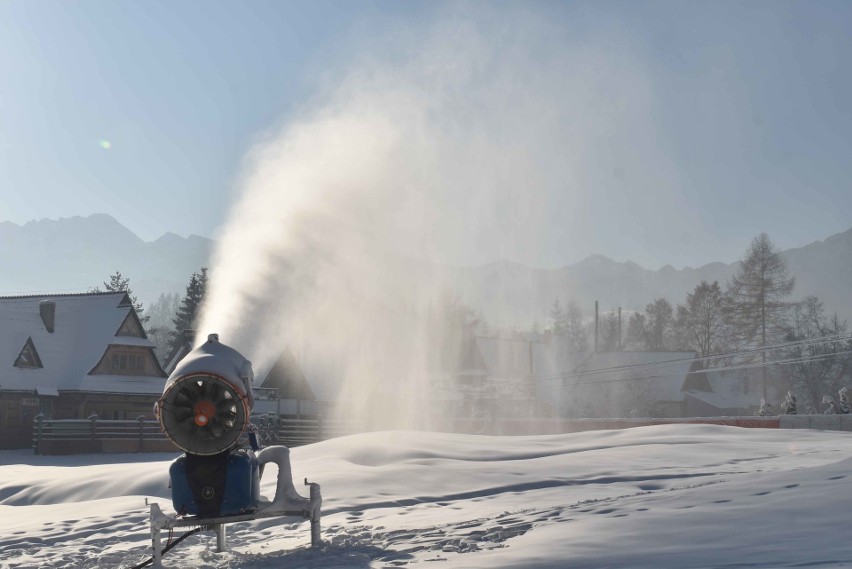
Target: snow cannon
[(205, 410)]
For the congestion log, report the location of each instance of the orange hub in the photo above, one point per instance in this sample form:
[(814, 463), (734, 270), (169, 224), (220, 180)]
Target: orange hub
[(204, 410)]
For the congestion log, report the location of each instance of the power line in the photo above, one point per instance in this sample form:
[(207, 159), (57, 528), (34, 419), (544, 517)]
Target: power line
[(661, 376), (730, 368), (666, 363)]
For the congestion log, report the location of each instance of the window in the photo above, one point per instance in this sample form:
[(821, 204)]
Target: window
[(123, 362), (28, 358), (127, 360)]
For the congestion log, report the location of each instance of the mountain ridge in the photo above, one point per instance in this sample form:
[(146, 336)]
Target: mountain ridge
[(81, 252)]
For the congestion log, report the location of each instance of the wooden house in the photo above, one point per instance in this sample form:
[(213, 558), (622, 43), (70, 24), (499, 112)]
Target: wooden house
[(71, 356)]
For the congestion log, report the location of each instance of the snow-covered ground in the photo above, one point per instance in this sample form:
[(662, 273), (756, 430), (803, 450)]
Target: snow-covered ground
[(662, 497)]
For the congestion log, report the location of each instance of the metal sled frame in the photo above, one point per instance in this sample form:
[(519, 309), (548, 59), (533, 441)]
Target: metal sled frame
[(160, 522)]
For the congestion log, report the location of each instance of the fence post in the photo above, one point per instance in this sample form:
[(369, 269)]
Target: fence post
[(141, 419), (93, 418), (39, 427)]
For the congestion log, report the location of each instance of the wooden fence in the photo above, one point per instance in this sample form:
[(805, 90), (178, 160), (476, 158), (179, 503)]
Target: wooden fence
[(293, 432), (93, 435)]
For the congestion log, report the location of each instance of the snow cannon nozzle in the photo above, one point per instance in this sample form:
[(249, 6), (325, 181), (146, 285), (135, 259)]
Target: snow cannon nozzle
[(207, 400)]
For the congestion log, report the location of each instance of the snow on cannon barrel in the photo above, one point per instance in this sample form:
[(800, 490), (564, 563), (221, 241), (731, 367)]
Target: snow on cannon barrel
[(205, 410)]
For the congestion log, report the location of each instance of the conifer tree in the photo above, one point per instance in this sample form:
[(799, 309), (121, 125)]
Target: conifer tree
[(557, 317), (190, 306), (120, 283), (758, 290), (789, 407), (844, 401), (609, 333), (763, 411)]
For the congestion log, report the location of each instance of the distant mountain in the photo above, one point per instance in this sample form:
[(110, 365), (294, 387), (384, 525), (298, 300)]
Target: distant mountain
[(511, 293), (78, 253)]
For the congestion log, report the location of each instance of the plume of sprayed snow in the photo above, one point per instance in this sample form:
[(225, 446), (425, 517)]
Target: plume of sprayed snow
[(449, 145)]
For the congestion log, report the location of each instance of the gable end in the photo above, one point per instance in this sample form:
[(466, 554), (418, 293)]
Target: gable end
[(131, 327), (28, 358)]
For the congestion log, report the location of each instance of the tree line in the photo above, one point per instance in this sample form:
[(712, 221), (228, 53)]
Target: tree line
[(748, 324)]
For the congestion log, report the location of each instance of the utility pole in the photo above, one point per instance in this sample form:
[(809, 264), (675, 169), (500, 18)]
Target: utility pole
[(596, 326), (619, 328)]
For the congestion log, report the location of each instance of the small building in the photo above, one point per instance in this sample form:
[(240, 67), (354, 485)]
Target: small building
[(284, 389), (733, 393), (71, 356), (634, 384), (502, 379), (184, 344)]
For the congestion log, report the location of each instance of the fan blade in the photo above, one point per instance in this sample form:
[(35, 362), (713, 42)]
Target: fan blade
[(215, 391), (183, 414), (217, 429), (185, 396)]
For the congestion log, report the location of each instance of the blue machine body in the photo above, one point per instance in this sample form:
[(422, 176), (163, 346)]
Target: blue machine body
[(238, 493)]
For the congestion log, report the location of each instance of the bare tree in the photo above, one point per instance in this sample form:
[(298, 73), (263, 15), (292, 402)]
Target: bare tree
[(637, 333), (818, 367), (705, 310), (758, 290), (575, 329), (659, 318)]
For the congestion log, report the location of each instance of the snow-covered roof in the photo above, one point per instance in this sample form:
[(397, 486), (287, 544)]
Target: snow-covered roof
[(665, 371), (731, 401), (731, 386), (84, 326)]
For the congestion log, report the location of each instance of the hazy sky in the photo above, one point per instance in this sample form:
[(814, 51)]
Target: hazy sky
[(739, 113)]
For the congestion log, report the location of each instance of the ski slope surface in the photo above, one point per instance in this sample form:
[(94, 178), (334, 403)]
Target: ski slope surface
[(664, 497)]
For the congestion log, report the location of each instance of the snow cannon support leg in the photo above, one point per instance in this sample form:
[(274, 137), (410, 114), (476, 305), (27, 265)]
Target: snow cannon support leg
[(221, 543), (158, 521), (286, 498), (316, 513)]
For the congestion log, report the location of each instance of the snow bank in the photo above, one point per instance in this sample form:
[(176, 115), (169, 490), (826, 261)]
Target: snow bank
[(664, 496)]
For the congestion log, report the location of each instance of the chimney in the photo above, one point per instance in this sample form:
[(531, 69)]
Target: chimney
[(47, 309)]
